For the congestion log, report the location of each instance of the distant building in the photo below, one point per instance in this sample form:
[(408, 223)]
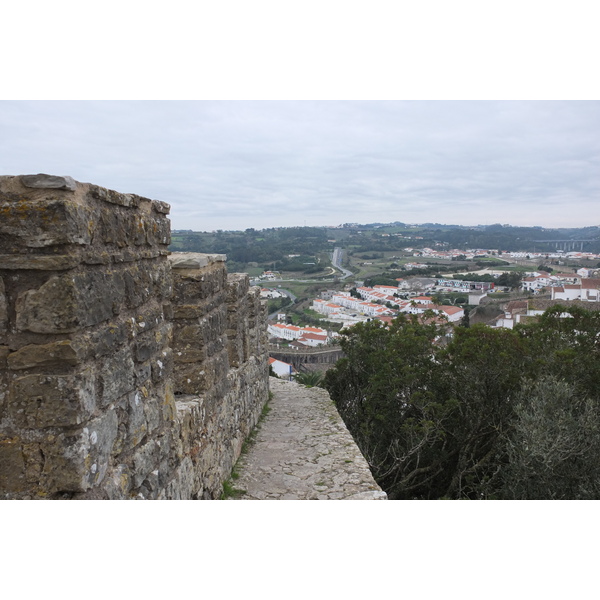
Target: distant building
[(282, 369), (587, 291)]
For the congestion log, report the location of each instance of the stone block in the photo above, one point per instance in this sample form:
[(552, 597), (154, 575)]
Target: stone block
[(139, 283), (66, 303), (12, 471), (142, 374), (52, 221), (107, 339), (3, 308), (191, 286), (145, 460), (189, 354), (75, 462), (39, 401), (161, 207), (56, 354), (118, 482), (4, 352), (43, 181), (50, 309), (32, 262), (237, 286), (193, 378), (151, 343), (194, 260), (111, 229), (147, 318), (162, 366), (153, 414), (116, 376), (100, 295), (137, 426), (112, 197)]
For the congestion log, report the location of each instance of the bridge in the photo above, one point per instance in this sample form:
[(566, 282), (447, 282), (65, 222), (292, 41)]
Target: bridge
[(307, 359), (566, 245)]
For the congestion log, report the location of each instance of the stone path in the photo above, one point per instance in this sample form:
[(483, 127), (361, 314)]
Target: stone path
[(303, 451)]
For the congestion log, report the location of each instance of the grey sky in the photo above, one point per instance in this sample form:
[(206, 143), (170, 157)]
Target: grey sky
[(238, 164)]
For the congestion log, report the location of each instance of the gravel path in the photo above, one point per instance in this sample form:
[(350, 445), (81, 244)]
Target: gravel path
[(303, 451)]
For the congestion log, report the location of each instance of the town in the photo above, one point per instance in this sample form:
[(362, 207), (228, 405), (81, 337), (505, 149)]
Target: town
[(338, 310)]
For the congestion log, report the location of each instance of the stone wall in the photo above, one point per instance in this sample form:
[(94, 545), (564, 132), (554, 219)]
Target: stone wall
[(120, 376)]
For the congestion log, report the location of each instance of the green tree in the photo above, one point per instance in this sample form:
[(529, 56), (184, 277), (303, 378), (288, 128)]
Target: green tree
[(494, 413), (554, 447), (384, 391), (482, 374)]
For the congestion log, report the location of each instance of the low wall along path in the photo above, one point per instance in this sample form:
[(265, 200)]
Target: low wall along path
[(303, 451)]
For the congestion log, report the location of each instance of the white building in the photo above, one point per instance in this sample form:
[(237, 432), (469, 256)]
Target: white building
[(587, 291), (282, 369)]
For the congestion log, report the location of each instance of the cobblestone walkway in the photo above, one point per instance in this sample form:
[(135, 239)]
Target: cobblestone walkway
[(303, 451)]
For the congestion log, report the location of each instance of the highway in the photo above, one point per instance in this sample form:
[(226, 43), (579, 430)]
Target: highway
[(336, 261)]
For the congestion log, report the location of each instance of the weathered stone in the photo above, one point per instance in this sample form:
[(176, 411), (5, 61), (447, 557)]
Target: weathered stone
[(67, 302), (161, 207), (39, 401), (118, 483), (56, 354), (152, 412), (107, 339), (34, 462), (194, 260), (43, 181), (162, 366), (38, 263), (145, 460), (188, 260), (238, 285), (116, 376), (3, 308), (142, 374), (127, 200), (4, 352), (193, 378), (150, 343), (76, 462), (12, 466), (42, 223), (50, 309), (136, 426)]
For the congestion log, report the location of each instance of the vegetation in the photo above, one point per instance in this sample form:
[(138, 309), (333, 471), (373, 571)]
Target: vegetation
[(270, 248), (310, 378), (495, 414)]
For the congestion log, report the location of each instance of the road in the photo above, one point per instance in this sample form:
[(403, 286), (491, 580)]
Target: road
[(336, 261), (290, 296)]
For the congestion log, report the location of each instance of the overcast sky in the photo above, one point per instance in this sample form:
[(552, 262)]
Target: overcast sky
[(239, 164)]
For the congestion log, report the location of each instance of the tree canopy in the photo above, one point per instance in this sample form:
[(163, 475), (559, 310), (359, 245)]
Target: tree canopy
[(494, 413)]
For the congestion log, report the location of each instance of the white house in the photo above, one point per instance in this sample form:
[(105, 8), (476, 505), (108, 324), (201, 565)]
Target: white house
[(587, 291), (452, 313), (282, 369), (313, 339)]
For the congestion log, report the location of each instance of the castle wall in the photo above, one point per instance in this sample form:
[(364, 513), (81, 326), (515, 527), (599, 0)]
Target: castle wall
[(220, 374), (120, 376)]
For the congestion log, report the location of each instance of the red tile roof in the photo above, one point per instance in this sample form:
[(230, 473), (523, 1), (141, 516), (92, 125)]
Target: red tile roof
[(590, 284)]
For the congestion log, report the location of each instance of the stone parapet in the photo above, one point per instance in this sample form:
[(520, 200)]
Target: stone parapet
[(97, 400), (220, 389)]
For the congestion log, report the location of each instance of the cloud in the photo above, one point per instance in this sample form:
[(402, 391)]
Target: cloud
[(238, 164)]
